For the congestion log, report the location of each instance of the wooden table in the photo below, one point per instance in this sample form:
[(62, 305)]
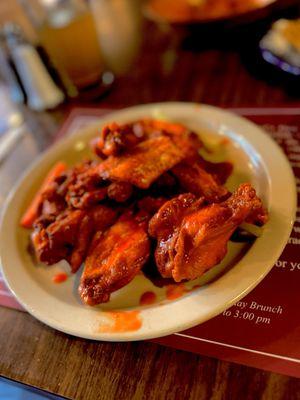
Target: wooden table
[(221, 70)]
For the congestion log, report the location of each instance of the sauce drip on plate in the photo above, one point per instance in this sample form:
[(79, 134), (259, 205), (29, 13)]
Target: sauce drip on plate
[(147, 298), (122, 321), (60, 277), (173, 292)]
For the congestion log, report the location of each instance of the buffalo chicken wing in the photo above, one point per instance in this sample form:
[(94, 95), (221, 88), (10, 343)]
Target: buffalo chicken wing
[(149, 172), (195, 179), (142, 165), (114, 258), (192, 238), (68, 236)]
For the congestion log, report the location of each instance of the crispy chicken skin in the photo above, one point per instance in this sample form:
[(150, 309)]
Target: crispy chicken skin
[(53, 239), (68, 236), (116, 139), (192, 238), (119, 191), (141, 152), (188, 141), (114, 258), (150, 204), (165, 226), (83, 188), (220, 171), (194, 179), (142, 165)]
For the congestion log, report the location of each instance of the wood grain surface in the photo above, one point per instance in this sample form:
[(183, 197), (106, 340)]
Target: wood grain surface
[(37, 355), (207, 66)]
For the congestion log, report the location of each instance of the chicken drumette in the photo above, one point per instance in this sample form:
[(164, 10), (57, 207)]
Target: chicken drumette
[(192, 237), (114, 258)]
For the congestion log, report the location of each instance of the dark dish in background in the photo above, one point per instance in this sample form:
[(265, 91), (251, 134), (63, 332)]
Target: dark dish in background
[(281, 46), (223, 13), (202, 11)]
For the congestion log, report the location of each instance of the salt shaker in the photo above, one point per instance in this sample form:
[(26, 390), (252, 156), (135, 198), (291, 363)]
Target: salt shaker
[(15, 91), (41, 91)]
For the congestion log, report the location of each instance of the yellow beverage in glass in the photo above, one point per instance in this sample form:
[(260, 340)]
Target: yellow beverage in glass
[(72, 44)]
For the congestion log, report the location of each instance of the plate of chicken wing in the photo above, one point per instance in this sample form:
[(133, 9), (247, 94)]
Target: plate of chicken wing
[(150, 221)]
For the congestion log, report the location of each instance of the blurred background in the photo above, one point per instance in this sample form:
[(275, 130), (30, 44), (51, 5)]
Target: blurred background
[(59, 54), (56, 52)]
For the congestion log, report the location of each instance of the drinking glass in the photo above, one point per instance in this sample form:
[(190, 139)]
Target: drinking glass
[(66, 31)]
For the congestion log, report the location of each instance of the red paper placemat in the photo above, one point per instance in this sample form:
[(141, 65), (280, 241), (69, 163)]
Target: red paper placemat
[(262, 330)]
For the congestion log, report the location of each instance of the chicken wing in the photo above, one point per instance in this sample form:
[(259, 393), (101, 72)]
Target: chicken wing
[(143, 164), (151, 204), (115, 138), (53, 239), (196, 240), (140, 152), (83, 187), (68, 236), (195, 179), (114, 258), (119, 191), (219, 170), (188, 141), (165, 226), (97, 219)]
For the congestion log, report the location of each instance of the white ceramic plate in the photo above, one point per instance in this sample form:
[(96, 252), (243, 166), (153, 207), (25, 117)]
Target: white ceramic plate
[(256, 158)]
